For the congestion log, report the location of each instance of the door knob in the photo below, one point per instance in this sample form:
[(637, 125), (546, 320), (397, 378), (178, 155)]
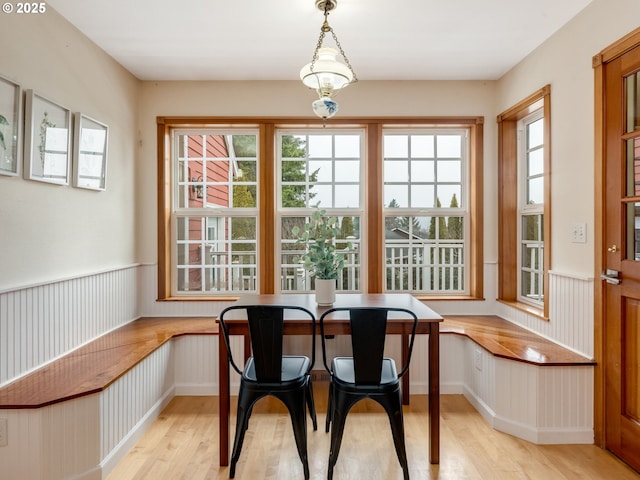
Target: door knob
[(613, 248)]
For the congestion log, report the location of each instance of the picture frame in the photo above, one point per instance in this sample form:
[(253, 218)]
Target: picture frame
[(10, 127), (47, 140), (91, 139)]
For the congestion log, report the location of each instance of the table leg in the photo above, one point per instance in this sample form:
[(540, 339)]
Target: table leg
[(434, 393), (224, 400), (405, 379)]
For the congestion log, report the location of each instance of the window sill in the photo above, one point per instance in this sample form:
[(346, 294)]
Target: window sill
[(523, 307), (447, 298), (198, 299)]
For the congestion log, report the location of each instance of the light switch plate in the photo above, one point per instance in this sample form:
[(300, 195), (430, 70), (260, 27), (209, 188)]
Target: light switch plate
[(579, 233)]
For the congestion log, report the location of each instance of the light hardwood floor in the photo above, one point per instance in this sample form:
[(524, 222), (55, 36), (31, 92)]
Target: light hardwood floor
[(183, 444)]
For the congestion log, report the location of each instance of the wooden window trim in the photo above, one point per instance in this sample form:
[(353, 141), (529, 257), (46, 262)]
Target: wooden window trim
[(508, 199), (373, 193)]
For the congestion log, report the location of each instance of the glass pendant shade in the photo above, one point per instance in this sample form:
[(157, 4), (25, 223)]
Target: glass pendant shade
[(328, 74)]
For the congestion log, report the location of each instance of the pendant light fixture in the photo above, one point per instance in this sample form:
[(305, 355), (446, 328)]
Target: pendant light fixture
[(325, 74)]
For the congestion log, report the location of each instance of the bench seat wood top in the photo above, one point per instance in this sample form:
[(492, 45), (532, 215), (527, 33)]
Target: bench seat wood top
[(93, 367), (505, 339)]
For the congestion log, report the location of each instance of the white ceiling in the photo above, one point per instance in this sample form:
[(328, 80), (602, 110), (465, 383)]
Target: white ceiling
[(273, 39)]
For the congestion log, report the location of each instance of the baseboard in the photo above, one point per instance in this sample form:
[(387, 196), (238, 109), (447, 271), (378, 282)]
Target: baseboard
[(483, 409), (94, 474), (539, 436)]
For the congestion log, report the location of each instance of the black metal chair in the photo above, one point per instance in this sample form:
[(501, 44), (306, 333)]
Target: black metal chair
[(269, 372), (366, 374)]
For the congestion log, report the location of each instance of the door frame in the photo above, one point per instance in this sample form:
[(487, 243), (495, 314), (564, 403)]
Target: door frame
[(600, 61)]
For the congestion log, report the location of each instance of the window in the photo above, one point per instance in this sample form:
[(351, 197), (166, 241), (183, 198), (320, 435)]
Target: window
[(215, 212), (525, 203), (425, 174), (323, 169), (407, 194), (531, 209)]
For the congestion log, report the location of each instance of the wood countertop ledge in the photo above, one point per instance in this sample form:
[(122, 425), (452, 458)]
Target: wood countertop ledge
[(507, 340), (93, 367)]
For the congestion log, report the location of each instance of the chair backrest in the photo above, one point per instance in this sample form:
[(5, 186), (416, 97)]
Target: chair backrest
[(266, 324), (368, 334)]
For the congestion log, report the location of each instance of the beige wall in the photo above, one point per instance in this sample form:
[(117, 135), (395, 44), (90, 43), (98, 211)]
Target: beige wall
[(49, 232), (565, 62)]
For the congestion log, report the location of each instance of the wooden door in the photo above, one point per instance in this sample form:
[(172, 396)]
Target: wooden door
[(621, 256)]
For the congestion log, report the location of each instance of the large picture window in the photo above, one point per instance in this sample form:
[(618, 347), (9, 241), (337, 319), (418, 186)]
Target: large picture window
[(407, 199)]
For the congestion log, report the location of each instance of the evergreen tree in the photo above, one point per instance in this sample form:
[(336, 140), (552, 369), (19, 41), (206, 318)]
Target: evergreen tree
[(454, 225), (346, 230), (442, 232), (244, 196)]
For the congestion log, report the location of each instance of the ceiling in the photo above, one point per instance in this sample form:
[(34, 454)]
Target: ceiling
[(273, 39)]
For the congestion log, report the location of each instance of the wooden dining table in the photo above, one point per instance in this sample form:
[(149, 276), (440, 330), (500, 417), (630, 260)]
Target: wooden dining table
[(428, 324)]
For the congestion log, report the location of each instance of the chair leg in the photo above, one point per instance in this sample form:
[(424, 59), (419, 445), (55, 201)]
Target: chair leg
[(393, 407), (311, 403), (329, 409), (298, 413), (245, 406), (342, 403)]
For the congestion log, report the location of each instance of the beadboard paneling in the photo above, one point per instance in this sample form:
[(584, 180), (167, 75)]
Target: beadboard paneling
[(571, 312), (41, 323), (133, 396), (196, 364), (58, 442)]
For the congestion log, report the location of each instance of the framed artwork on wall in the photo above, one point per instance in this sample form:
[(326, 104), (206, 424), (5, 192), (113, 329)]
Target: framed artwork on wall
[(47, 140), (90, 153), (10, 127)]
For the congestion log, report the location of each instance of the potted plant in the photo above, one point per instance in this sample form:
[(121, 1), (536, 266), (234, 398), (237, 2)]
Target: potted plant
[(322, 259)]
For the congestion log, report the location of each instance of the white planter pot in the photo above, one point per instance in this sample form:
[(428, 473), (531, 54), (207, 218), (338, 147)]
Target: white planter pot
[(325, 292)]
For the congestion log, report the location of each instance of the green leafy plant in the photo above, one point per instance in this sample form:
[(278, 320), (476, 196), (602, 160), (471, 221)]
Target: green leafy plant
[(322, 259), (3, 121), (44, 125)]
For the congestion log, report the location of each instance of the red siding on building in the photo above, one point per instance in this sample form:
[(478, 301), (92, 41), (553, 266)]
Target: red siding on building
[(215, 155)]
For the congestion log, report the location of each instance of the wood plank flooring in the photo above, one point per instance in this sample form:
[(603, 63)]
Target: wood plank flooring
[(182, 444)]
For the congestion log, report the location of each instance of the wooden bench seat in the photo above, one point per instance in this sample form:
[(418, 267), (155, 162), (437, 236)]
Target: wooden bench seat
[(106, 393), (95, 366), (507, 340)]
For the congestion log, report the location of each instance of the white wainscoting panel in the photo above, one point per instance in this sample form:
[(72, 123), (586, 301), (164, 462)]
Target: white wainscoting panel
[(479, 370), (565, 412), (130, 404), (41, 323), (196, 364), (571, 314), (58, 442), (452, 365)]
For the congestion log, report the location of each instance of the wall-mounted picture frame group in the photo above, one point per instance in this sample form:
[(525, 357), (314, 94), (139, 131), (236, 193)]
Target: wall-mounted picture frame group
[(90, 153), (10, 127), (47, 141)]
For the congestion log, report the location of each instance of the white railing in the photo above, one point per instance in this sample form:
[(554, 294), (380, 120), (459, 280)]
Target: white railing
[(294, 278), (424, 267), (409, 267)]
